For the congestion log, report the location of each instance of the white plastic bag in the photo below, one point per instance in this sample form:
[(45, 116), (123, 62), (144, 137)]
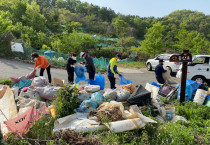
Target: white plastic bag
[(167, 77), (200, 96), (48, 92), (39, 82), (110, 94), (92, 88), (149, 87), (122, 95)]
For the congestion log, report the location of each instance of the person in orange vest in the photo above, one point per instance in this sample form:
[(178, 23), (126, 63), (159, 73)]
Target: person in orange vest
[(42, 63)]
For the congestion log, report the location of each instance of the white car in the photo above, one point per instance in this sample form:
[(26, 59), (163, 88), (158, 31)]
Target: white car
[(198, 70), (173, 66)]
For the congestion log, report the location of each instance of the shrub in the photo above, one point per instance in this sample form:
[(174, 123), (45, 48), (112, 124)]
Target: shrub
[(66, 101), (6, 82)]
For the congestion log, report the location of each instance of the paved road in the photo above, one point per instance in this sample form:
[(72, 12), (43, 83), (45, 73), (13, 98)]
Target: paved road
[(14, 68)]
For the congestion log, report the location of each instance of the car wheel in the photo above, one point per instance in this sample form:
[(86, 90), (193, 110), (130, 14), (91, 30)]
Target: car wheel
[(149, 66), (199, 79)]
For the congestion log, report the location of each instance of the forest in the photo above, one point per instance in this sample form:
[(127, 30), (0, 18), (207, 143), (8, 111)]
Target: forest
[(73, 26)]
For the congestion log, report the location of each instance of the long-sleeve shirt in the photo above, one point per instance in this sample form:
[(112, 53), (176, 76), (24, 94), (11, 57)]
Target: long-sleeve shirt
[(112, 68), (89, 64), (42, 62), (159, 71), (69, 63)]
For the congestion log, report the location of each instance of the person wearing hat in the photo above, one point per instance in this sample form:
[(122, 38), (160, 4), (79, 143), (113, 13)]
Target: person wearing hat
[(159, 70), (89, 65), (70, 67), (112, 70), (42, 63)]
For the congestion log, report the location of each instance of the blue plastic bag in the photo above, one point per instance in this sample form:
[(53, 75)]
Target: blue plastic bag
[(97, 97), (155, 84), (188, 92), (80, 73), (22, 83), (124, 81), (99, 80)]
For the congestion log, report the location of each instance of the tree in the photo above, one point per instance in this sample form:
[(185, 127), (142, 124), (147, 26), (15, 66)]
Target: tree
[(5, 22), (153, 42), (18, 10), (73, 27), (33, 17), (191, 40), (74, 42), (119, 26)]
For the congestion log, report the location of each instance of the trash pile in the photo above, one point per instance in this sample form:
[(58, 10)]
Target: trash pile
[(26, 102), (100, 108)]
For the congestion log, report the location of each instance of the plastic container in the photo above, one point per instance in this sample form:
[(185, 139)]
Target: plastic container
[(200, 96), (52, 110)]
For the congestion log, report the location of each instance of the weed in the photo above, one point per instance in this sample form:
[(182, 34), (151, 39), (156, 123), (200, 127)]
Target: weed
[(66, 101)]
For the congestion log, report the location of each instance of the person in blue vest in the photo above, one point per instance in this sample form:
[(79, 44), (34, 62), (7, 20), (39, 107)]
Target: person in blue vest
[(159, 70), (112, 71)]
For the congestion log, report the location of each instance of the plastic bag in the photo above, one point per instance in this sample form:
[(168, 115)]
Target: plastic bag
[(97, 97), (167, 77), (22, 83), (47, 92), (200, 96), (130, 87), (124, 81), (188, 92), (84, 96), (40, 81), (110, 94), (80, 73), (122, 95), (28, 76), (92, 88), (99, 80)]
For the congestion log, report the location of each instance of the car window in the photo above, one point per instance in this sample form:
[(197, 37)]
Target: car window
[(166, 57), (160, 57), (201, 60)]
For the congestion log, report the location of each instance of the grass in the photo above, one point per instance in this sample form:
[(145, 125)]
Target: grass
[(137, 64), (195, 131)]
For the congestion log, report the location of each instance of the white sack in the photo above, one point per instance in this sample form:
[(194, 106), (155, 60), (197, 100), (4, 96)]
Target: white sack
[(39, 82), (8, 107), (17, 47), (78, 122), (92, 88), (48, 92), (200, 96), (122, 95), (110, 94), (167, 77)]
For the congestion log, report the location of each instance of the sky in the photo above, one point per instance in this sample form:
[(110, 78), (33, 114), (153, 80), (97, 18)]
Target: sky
[(156, 8)]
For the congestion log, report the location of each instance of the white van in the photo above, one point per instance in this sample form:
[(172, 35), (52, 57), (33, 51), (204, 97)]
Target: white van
[(198, 70)]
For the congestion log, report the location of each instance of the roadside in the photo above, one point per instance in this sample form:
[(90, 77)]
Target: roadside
[(137, 64), (14, 68)]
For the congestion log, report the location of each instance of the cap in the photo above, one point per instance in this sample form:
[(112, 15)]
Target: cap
[(161, 60), (81, 54), (119, 55)]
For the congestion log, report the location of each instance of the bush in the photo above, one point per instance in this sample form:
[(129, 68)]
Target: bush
[(66, 101), (6, 82)]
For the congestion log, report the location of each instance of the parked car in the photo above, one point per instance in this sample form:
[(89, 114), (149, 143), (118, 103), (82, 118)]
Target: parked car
[(198, 70), (173, 66)]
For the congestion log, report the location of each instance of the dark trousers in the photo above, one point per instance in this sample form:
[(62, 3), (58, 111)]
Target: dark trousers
[(70, 76), (112, 82), (48, 73), (160, 80), (92, 75)]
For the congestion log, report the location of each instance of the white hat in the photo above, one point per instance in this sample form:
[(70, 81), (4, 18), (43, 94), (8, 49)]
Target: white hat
[(81, 54)]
